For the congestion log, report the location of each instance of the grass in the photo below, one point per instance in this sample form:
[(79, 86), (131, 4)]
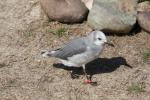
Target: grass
[(27, 34), (146, 56), (135, 88), (59, 32)]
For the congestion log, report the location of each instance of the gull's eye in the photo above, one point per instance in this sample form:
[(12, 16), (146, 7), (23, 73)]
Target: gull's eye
[(99, 39)]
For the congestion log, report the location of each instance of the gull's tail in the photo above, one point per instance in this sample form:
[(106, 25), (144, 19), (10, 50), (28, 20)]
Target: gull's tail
[(48, 53)]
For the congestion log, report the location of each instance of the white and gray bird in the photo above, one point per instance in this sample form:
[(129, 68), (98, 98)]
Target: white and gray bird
[(81, 51)]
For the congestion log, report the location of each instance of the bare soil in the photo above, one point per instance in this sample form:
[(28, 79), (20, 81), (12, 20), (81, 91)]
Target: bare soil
[(25, 75)]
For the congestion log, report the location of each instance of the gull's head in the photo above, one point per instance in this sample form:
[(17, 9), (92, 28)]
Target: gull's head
[(98, 37)]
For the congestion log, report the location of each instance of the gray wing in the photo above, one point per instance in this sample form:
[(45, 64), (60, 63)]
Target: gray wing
[(76, 46)]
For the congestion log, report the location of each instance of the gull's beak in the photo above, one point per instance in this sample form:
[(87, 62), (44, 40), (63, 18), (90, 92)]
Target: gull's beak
[(110, 44)]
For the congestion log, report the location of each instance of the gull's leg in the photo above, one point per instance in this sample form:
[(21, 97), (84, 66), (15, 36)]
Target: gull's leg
[(83, 66), (88, 80)]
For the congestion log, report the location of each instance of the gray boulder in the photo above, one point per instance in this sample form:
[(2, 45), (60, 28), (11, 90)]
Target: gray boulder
[(69, 11), (117, 16)]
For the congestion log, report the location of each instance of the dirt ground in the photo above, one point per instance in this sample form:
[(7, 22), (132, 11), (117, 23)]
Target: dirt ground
[(25, 75)]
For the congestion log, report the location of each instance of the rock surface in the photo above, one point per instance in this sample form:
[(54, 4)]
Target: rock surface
[(117, 16), (65, 10), (143, 16)]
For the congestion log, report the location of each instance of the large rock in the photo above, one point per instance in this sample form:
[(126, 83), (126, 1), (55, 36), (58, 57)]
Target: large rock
[(143, 16), (65, 10), (144, 20), (117, 16)]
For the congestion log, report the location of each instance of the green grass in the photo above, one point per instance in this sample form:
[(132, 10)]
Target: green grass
[(135, 88), (27, 34), (146, 56), (59, 32)]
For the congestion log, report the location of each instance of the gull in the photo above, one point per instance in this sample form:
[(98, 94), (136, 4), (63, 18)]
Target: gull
[(78, 52)]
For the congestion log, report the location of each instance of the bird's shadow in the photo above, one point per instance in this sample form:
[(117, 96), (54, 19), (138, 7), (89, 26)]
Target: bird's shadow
[(100, 65)]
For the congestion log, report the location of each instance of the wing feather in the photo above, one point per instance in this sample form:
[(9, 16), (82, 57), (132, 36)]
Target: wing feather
[(76, 46)]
